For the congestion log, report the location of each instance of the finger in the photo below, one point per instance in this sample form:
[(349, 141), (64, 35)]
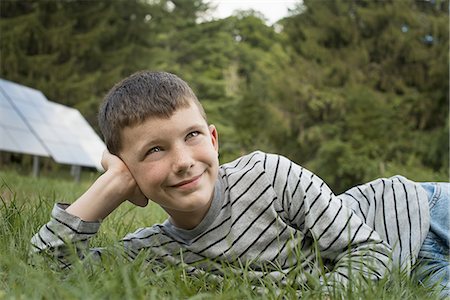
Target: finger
[(142, 202), (104, 161)]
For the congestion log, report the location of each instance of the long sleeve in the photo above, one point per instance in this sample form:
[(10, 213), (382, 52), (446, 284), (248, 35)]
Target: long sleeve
[(397, 209), (341, 237), (63, 234)]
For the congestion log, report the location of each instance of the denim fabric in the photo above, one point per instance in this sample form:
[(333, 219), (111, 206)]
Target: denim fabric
[(433, 269)]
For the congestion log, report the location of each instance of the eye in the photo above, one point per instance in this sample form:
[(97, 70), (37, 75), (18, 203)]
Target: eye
[(192, 134), (154, 150)]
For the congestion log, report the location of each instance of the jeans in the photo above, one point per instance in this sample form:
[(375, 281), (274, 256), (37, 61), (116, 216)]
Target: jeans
[(433, 268)]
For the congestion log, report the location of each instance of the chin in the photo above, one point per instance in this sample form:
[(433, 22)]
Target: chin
[(193, 206)]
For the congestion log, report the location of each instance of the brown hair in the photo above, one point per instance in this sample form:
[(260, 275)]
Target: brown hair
[(138, 97)]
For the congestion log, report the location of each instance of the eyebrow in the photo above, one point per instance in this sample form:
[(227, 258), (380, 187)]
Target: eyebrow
[(195, 127), (156, 141)]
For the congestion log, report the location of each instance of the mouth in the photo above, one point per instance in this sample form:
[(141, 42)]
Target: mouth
[(188, 183)]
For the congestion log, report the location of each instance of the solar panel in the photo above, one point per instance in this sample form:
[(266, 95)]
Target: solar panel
[(32, 124), (68, 136), (26, 94), (15, 134)]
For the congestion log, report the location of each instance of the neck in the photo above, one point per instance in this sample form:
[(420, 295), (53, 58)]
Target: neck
[(187, 220)]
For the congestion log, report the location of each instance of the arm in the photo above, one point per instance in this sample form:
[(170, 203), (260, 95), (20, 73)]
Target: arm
[(341, 237), (77, 223), (397, 209)]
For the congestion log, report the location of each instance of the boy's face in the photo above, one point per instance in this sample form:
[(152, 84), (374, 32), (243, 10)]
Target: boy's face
[(174, 161)]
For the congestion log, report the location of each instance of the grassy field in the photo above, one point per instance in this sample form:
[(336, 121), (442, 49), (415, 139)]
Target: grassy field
[(25, 205)]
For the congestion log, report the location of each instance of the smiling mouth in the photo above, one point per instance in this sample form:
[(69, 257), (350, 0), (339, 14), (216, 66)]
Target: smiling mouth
[(189, 182)]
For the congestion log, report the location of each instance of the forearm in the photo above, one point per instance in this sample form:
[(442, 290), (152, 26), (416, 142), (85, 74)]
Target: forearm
[(99, 200), (80, 221), (355, 250), (341, 236), (370, 260), (74, 225), (353, 246)]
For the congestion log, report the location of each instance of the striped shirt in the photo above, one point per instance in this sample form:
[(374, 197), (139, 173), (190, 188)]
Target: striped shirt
[(273, 217)]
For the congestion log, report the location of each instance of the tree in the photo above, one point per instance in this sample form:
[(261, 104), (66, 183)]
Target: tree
[(368, 95), (74, 51)]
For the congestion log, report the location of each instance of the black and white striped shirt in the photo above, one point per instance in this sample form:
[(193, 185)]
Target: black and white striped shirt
[(273, 217)]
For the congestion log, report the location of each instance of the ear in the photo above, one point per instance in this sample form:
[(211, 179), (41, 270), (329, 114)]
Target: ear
[(214, 137)]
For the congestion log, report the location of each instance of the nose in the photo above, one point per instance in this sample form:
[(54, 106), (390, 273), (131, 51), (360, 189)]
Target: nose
[(182, 160)]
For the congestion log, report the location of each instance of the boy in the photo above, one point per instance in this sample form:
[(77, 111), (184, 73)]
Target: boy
[(261, 210)]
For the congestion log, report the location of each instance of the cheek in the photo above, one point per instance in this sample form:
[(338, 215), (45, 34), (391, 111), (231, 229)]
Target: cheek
[(208, 151), (215, 158), (148, 177)]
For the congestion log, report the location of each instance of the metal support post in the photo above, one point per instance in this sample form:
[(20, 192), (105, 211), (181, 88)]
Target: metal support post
[(75, 171), (35, 166)]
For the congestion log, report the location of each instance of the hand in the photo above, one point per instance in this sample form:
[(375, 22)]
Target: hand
[(128, 188), (108, 192)]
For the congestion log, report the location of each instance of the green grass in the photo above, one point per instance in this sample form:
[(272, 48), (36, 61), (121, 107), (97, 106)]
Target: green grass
[(25, 205)]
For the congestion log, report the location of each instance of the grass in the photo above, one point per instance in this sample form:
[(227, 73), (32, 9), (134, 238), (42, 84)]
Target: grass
[(25, 205)]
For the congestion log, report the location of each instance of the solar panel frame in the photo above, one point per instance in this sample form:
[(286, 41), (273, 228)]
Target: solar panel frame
[(3, 101)]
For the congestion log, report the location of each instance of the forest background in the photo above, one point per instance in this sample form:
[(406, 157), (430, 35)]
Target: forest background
[(352, 90)]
